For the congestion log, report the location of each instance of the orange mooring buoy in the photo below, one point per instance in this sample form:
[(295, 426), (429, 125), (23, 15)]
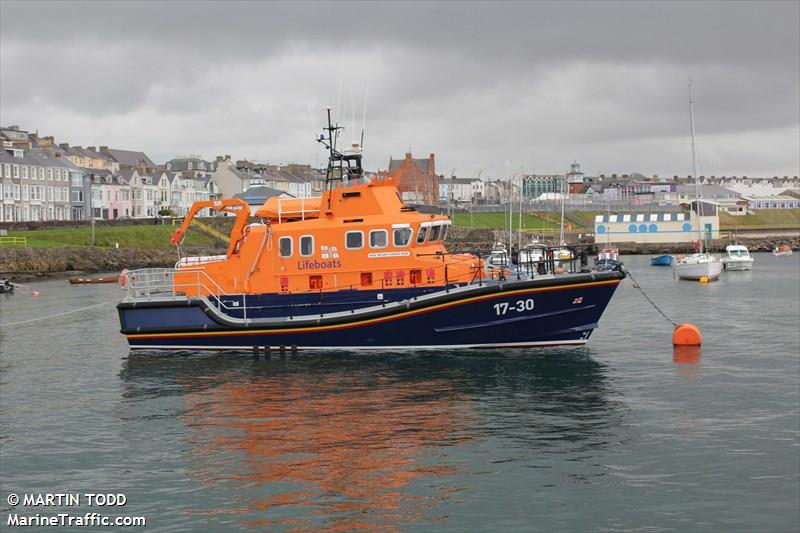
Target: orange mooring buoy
[(686, 335)]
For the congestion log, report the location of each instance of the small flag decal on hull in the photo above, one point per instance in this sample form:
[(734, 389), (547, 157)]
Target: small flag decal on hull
[(577, 300)]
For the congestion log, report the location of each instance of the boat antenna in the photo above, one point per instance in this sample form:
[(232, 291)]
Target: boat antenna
[(694, 168), (340, 165)]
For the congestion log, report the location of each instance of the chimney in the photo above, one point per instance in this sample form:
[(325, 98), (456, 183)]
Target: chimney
[(65, 146), (91, 148)]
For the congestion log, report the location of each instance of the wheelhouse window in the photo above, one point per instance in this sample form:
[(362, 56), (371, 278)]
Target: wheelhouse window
[(354, 240), (423, 232), (306, 245), (444, 231), (378, 238), (401, 236), (285, 246), (435, 233)]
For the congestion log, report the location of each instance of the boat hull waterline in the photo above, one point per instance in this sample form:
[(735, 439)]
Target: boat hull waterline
[(544, 312)]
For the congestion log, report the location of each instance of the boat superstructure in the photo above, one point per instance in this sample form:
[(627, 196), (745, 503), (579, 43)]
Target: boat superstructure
[(352, 269), (737, 257)]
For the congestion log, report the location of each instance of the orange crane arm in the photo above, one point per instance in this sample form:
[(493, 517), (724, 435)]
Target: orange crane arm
[(235, 206)]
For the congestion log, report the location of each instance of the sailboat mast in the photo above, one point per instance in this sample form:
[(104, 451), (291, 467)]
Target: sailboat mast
[(561, 233), (694, 165)]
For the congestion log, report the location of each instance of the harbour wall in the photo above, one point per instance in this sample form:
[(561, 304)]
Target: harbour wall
[(27, 263)]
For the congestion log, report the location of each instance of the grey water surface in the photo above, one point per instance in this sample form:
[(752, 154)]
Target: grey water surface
[(621, 435)]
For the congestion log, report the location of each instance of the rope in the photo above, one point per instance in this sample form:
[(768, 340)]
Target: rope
[(57, 314), (646, 297)]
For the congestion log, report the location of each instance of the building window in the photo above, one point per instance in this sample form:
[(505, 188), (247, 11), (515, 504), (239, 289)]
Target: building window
[(401, 237), (24, 172), (306, 245), (378, 238), (354, 240), (285, 246)]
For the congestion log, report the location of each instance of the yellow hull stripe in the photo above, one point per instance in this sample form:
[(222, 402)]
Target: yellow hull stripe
[(368, 320)]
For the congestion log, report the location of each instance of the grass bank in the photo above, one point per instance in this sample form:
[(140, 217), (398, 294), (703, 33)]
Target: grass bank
[(135, 237)]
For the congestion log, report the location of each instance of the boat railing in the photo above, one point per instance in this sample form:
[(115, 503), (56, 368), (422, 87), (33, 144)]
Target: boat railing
[(149, 283)]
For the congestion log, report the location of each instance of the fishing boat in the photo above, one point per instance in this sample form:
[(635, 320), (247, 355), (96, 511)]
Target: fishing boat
[(700, 266), (531, 258), (782, 251), (353, 269), (737, 257), (608, 259), (89, 281), (661, 260)]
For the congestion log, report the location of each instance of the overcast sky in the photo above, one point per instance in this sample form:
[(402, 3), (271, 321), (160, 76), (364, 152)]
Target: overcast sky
[(485, 86)]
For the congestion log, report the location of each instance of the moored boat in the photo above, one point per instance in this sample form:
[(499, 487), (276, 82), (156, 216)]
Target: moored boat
[(737, 257), (353, 269), (89, 281), (698, 266), (608, 259), (782, 250), (661, 260), (6, 287)]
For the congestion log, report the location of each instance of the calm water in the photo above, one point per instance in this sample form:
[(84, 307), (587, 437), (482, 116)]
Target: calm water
[(621, 435)]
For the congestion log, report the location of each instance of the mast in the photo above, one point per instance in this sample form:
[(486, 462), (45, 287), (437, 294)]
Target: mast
[(561, 233), (340, 165), (694, 169)]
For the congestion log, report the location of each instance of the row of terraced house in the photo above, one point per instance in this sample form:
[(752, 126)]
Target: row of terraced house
[(41, 180)]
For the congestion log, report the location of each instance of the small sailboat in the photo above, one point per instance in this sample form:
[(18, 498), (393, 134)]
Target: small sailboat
[(661, 260), (701, 265), (737, 257), (783, 250)]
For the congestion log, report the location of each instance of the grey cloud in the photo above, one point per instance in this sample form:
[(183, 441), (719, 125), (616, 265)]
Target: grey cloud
[(480, 84)]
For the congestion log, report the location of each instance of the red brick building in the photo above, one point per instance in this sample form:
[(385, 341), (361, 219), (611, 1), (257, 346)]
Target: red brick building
[(417, 179)]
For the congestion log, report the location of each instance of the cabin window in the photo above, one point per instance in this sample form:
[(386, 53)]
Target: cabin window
[(435, 233), (285, 246), (444, 231), (402, 236), (378, 238), (423, 232), (354, 240), (306, 245), (315, 282), (366, 279)]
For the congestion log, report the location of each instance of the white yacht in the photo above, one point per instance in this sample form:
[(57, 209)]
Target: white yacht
[(699, 266), (737, 257)]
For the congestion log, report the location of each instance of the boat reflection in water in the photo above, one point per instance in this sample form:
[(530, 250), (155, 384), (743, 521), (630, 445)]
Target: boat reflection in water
[(342, 443)]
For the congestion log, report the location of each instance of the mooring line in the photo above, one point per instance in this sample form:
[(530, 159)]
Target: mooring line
[(656, 307), (21, 322)]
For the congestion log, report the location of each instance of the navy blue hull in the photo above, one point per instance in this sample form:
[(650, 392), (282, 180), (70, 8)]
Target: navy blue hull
[(529, 313)]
